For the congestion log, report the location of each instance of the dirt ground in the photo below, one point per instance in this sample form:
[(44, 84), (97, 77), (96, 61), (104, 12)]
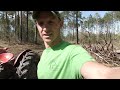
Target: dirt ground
[(17, 48)]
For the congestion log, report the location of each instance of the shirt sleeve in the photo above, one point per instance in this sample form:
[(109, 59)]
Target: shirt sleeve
[(79, 56)]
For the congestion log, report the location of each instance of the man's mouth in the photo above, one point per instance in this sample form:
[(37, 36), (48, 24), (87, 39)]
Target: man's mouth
[(47, 34)]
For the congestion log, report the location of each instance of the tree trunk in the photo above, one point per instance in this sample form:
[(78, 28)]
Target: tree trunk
[(27, 27), (77, 27), (21, 27)]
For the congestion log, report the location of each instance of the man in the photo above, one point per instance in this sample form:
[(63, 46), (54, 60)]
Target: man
[(62, 60)]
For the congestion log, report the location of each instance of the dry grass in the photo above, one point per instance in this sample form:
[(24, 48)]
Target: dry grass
[(17, 48)]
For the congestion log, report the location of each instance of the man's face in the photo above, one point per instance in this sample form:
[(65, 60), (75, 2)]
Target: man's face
[(49, 27)]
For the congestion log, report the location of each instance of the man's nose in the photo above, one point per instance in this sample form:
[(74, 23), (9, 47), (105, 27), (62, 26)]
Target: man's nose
[(45, 27)]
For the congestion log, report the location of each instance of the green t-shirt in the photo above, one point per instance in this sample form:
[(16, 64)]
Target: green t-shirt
[(62, 61)]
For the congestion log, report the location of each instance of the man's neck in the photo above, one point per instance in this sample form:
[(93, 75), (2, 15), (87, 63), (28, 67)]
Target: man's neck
[(48, 45)]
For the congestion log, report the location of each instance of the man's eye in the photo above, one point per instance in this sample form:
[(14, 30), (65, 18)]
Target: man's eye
[(40, 23), (50, 22)]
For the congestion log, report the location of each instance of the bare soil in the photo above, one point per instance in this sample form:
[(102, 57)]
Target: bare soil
[(17, 48)]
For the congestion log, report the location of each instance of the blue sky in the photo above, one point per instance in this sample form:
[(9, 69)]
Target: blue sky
[(87, 13)]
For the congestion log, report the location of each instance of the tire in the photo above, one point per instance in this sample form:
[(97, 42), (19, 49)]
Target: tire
[(7, 71), (27, 68)]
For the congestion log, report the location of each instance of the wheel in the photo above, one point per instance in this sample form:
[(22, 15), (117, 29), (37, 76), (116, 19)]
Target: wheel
[(27, 68), (7, 71)]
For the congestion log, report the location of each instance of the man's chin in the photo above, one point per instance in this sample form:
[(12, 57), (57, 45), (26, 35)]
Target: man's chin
[(47, 41)]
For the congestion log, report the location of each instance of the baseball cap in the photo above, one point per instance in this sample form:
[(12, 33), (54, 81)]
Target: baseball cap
[(36, 14)]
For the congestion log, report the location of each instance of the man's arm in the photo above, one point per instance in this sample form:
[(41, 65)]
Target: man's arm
[(95, 70)]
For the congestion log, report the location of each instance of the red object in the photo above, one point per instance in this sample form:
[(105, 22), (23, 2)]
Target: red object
[(5, 57)]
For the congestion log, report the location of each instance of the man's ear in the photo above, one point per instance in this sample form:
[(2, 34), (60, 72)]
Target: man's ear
[(61, 23), (36, 22)]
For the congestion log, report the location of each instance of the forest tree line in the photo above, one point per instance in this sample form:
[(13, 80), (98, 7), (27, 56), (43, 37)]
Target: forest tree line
[(19, 27)]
